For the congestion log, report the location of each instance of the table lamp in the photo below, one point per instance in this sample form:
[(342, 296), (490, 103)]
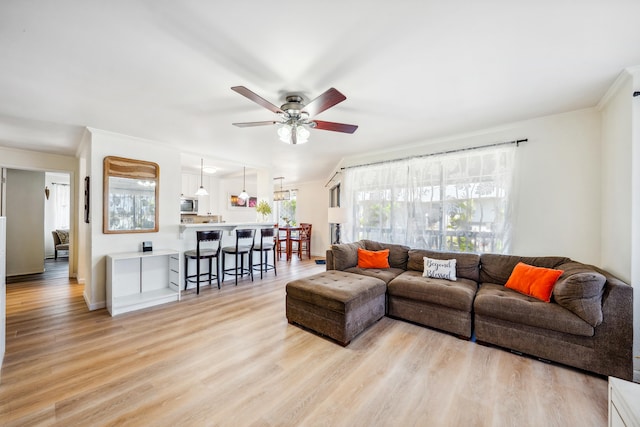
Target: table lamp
[(338, 216)]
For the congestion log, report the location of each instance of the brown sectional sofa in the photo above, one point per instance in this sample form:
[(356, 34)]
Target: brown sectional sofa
[(587, 324)]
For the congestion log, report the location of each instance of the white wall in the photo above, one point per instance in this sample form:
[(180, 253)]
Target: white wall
[(312, 201), (557, 205), (616, 180), (104, 144), (25, 222)]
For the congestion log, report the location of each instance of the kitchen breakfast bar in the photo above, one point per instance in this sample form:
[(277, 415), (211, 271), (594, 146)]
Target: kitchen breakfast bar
[(137, 280), (188, 237)]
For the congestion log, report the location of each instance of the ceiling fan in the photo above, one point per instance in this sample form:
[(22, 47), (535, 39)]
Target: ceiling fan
[(295, 116)]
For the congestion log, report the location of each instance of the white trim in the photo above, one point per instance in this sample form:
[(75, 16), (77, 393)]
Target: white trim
[(624, 76), (96, 306)]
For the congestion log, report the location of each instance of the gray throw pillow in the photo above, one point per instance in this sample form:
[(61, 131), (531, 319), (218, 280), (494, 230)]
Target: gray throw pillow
[(345, 255), (581, 292)]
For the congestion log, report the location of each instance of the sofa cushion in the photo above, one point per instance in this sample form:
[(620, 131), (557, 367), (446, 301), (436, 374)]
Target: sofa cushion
[(411, 285), (398, 254), (345, 255), (386, 274), (335, 290), (496, 301), (467, 265), (495, 268), (439, 268), (580, 290), (373, 259), (536, 282)]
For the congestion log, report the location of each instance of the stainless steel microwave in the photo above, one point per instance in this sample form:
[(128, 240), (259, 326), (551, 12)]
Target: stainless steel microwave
[(188, 205)]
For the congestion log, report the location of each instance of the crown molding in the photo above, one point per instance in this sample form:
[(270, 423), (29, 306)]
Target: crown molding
[(623, 78)]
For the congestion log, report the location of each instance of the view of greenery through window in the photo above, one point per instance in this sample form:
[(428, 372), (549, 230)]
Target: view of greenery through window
[(287, 210), (456, 202)]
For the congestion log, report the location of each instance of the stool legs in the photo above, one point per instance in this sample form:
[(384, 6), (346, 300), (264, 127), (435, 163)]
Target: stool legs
[(264, 260), (241, 264), (198, 273)]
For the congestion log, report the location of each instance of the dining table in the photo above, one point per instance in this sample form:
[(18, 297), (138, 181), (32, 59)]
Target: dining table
[(289, 230)]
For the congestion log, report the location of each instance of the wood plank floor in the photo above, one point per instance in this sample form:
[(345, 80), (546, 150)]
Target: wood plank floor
[(229, 358)]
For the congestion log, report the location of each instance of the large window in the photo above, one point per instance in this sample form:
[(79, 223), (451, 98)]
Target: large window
[(286, 210), (455, 202)]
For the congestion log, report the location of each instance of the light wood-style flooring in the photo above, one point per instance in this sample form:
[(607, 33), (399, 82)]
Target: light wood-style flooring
[(229, 358)]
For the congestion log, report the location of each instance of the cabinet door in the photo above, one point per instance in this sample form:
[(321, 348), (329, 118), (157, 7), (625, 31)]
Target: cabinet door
[(190, 184)]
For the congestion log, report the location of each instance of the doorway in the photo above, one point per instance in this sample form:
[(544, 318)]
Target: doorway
[(36, 204)]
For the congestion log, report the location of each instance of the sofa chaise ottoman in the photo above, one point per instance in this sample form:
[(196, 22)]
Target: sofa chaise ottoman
[(336, 304)]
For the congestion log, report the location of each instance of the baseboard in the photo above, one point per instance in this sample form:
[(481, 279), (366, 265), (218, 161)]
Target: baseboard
[(95, 306)]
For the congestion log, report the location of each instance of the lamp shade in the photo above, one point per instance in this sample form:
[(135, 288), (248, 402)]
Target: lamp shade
[(338, 215)]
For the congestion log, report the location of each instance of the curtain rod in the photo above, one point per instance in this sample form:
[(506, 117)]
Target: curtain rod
[(517, 142), (331, 179), (58, 183)]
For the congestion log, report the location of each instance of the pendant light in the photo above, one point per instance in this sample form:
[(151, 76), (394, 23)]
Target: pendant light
[(244, 195), (201, 191), (282, 194)]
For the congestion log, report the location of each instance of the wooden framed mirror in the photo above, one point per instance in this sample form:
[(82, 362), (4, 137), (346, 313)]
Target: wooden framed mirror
[(131, 193)]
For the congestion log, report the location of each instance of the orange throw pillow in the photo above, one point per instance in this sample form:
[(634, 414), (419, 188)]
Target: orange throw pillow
[(537, 282), (373, 259)]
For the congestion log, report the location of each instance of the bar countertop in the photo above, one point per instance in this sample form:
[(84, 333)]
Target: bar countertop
[(228, 226)]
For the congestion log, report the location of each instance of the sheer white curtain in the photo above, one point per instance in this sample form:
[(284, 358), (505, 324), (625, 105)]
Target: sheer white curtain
[(61, 200), (456, 202)]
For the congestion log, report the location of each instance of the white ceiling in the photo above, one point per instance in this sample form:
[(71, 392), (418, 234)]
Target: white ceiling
[(411, 71)]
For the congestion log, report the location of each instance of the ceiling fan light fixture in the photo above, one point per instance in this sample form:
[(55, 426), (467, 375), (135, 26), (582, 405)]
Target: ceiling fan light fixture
[(284, 132), (302, 134)]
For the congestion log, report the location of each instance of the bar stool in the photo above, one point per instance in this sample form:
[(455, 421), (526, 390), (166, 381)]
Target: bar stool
[(203, 253), (267, 243), (245, 239)]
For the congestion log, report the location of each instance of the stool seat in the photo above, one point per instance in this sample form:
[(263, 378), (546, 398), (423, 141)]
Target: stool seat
[(239, 250), (265, 247), (336, 304), (203, 253)]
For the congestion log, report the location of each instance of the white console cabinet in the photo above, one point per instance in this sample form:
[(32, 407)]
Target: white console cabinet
[(137, 280), (624, 403)]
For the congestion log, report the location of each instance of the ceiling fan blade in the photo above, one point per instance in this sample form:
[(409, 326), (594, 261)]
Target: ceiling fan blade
[(249, 124), (256, 98), (325, 101), (336, 127)]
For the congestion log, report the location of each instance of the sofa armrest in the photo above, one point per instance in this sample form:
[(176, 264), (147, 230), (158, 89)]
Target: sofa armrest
[(330, 263), (614, 336)]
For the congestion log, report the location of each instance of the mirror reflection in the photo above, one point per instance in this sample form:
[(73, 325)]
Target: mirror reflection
[(130, 196), (132, 204)]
